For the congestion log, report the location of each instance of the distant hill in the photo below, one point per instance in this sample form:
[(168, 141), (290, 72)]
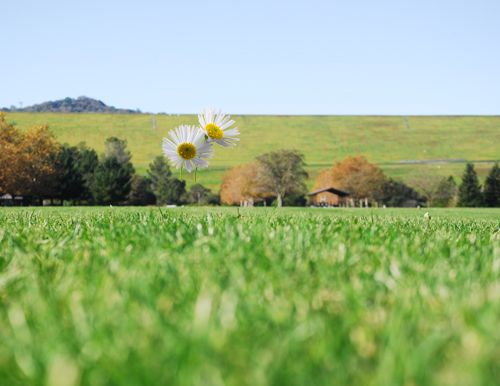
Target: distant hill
[(81, 104)]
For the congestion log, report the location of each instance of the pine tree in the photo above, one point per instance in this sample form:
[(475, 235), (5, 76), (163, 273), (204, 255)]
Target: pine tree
[(87, 164), (70, 182), (172, 191), (200, 195), (445, 192), (492, 187), (111, 182), (469, 194), (116, 147), (166, 188), (398, 194), (140, 191), (158, 171)]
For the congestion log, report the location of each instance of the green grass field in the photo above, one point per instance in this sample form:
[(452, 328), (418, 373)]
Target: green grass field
[(323, 139), (217, 296)]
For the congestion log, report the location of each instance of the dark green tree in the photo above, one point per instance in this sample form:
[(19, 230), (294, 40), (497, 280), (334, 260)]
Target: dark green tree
[(111, 182), (398, 194), (140, 191), (469, 193), (172, 191), (282, 172), (213, 199), (492, 187), (200, 195), (88, 159), (70, 183), (158, 171), (116, 147), (166, 188), (446, 192), (295, 199), (87, 164)]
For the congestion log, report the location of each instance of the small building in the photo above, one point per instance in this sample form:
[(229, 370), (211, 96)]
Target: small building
[(328, 197)]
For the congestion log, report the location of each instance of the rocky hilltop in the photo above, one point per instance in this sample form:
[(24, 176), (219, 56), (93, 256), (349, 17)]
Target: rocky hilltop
[(81, 104)]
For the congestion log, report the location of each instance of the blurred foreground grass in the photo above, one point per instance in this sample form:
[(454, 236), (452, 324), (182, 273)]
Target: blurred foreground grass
[(127, 296)]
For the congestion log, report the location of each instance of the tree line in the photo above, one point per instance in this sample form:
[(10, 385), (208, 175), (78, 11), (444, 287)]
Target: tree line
[(279, 178), (35, 167), (470, 192)]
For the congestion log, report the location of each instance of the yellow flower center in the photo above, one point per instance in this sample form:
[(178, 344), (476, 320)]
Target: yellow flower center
[(186, 150), (214, 131)]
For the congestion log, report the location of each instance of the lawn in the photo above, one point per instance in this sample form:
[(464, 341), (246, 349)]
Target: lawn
[(386, 140), (221, 296)]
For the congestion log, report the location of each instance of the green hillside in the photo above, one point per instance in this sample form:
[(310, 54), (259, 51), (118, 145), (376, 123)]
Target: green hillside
[(385, 140)]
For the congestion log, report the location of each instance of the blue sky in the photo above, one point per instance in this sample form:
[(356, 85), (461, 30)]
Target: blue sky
[(256, 57)]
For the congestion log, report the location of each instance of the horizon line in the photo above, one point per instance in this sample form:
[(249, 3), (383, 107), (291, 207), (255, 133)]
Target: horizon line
[(258, 114)]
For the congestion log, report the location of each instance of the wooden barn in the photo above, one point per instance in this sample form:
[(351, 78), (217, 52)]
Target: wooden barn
[(328, 197)]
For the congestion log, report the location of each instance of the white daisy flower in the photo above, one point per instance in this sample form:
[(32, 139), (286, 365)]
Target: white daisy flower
[(187, 148), (218, 127)]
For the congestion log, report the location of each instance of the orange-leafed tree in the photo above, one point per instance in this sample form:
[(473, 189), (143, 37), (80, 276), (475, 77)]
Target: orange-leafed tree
[(355, 175), (39, 149), (27, 160), (11, 140), (241, 183)]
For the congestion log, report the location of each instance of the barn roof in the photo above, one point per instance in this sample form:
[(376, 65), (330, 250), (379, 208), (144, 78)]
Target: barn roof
[(331, 189)]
